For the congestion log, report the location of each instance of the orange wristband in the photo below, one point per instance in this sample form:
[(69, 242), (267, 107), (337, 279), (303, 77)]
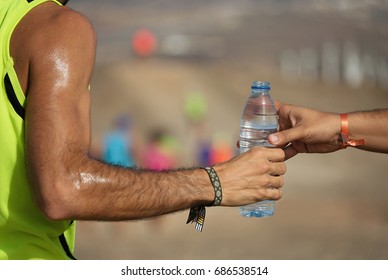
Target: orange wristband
[(345, 141)]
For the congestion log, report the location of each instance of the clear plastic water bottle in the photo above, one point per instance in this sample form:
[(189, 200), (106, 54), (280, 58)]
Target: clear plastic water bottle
[(259, 119)]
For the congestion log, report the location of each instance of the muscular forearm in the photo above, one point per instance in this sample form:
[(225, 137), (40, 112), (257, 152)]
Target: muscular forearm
[(130, 194), (78, 187), (372, 126), (93, 190)]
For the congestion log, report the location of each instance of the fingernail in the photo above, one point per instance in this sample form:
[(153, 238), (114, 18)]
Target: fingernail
[(273, 138)]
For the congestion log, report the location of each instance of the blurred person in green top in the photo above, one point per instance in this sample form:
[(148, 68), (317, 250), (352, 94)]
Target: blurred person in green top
[(47, 177)]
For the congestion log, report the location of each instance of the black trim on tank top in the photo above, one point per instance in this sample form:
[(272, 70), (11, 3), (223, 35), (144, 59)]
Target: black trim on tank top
[(21, 112), (12, 97), (65, 246)]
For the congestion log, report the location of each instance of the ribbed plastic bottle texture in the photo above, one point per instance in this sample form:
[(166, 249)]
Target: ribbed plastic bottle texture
[(259, 119)]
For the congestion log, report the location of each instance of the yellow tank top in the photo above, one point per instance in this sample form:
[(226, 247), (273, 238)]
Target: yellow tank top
[(25, 233)]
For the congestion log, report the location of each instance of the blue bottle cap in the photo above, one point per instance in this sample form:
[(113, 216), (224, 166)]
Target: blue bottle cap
[(261, 85)]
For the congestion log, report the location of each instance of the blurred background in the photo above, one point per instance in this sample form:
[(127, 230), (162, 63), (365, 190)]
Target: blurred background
[(170, 82)]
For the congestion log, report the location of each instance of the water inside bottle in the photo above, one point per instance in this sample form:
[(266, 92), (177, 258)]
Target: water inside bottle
[(254, 132)]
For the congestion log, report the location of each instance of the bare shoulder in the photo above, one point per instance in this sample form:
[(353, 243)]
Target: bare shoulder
[(54, 39), (49, 31), (50, 27), (59, 24)]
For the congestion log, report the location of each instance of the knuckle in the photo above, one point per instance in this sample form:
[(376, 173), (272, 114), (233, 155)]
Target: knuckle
[(265, 167), (265, 182), (261, 193), (257, 150)]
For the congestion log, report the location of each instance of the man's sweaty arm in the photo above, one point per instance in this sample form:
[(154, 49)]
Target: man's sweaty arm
[(68, 184)]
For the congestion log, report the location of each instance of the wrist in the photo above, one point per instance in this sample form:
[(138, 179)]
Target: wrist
[(197, 214), (216, 183), (345, 140), (204, 188)]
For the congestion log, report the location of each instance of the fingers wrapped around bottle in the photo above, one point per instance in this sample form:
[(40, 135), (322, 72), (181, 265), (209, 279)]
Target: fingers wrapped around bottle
[(271, 181), (276, 180), (253, 176)]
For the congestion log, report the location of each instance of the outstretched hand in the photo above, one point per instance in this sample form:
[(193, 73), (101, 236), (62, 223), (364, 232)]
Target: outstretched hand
[(304, 130)]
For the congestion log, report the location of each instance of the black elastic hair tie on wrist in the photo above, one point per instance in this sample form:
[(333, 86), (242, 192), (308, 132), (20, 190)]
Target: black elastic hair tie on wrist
[(197, 214)]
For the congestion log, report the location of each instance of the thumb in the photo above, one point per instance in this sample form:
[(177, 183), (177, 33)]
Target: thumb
[(286, 136), (278, 104)]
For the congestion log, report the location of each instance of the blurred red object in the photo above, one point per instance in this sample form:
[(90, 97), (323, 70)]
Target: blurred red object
[(144, 42)]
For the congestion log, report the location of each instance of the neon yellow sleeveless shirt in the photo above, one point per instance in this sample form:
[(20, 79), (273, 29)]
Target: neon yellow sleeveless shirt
[(25, 233)]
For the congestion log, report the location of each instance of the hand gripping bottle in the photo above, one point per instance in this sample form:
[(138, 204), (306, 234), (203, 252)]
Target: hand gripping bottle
[(259, 119)]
